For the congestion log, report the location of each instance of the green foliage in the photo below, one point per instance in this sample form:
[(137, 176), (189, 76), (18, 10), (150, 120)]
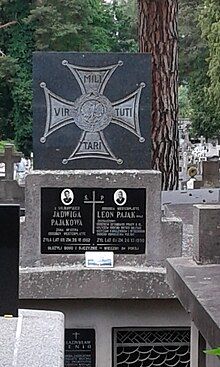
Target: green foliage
[(213, 352), (16, 41), (70, 25), (58, 25), (210, 25), (199, 64), (125, 15), (190, 41), (185, 109), (8, 68)]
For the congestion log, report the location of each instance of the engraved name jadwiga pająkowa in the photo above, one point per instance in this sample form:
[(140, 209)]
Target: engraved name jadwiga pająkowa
[(94, 220), (92, 113)]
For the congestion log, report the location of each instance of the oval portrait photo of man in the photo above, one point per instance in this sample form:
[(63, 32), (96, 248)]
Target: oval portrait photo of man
[(67, 197), (120, 197)]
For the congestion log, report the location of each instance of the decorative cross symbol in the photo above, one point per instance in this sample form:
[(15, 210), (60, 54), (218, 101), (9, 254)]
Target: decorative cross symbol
[(76, 335), (93, 202), (92, 112), (9, 158)]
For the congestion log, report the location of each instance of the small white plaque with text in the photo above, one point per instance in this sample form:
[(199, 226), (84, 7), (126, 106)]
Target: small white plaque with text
[(99, 259)]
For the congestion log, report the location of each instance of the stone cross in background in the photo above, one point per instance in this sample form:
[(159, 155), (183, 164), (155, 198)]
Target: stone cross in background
[(9, 158), (202, 140)]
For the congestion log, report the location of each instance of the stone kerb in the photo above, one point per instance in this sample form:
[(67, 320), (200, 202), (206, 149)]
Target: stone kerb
[(163, 235)]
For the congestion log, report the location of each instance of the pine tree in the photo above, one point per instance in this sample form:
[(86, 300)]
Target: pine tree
[(158, 35)]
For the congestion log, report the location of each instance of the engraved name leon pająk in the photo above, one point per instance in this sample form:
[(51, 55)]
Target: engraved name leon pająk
[(92, 112)]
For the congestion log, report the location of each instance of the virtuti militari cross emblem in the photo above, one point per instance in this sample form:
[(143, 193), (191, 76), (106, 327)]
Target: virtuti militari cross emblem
[(92, 112)]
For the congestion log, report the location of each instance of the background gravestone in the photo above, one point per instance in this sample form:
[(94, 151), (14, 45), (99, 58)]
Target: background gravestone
[(9, 158), (92, 111), (9, 259)]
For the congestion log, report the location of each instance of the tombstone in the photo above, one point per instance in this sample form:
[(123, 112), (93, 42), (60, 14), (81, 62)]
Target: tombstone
[(211, 176), (9, 259), (103, 199), (92, 218), (86, 108), (10, 191)]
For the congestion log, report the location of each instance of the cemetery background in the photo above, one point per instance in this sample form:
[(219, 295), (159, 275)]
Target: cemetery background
[(90, 306)]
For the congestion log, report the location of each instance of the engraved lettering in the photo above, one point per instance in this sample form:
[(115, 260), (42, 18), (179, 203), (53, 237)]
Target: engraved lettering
[(57, 111), (124, 112), (67, 214), (126, 215), (61, 111), (92, 78), (92, 145), (66, 222), (105, 214)]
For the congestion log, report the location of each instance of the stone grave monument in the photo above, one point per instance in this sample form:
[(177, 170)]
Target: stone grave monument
[(210, 174), (92, 190), (10, 191)]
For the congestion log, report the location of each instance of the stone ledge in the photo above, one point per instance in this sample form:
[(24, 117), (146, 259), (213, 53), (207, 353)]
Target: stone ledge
[(197, 287), (55, 282), (35, 338)]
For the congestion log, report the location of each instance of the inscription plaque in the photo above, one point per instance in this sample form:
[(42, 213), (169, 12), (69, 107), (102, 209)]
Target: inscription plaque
[(79, 348), (75, 220), (91, 110)]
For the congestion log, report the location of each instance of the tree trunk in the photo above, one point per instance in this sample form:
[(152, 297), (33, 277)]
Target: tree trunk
[(158, 35)]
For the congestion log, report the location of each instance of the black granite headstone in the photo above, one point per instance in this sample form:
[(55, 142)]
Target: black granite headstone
[(92, 111), (9, 259), (79, 348), (75, 220)]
